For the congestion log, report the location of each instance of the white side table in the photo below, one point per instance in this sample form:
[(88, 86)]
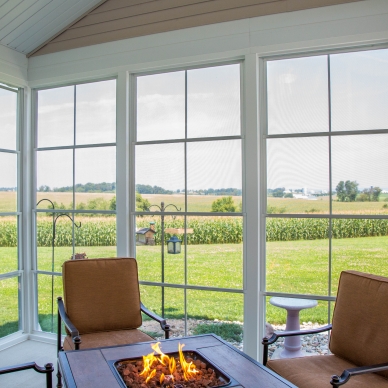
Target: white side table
[(292, 345)]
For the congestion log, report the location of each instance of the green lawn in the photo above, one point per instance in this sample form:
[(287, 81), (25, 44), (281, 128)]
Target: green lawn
[(292, 266)]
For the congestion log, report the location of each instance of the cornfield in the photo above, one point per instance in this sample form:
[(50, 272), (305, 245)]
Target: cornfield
[(205, 230)]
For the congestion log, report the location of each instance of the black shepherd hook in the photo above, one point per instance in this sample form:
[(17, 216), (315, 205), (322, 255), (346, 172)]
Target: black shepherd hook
[(55, 218)]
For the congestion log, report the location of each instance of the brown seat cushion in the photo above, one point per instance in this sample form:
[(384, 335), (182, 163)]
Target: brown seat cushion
[(360, 329), (102, 294), (316, 372), (108, 338)]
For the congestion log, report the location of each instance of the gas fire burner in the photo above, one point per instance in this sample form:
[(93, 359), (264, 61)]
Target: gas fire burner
[(213, 375)]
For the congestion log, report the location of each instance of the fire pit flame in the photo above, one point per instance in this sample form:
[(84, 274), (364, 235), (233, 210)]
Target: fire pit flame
[(172, 365), (188, 369), (148, 361), (160, 370), (151, 375), (148, 372)]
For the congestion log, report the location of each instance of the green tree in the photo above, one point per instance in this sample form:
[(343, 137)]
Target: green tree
[(278, 192), (224, 204), (371, 195), (376, 191), (347, 191), (112, 203), (44, 188), (98, 203), (341, 193), (142, 204), (351, 188), (364, 196)]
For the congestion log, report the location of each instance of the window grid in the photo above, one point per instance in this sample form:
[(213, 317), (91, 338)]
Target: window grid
[(186, 213), (69, 215), (11, 273), (331, 216)]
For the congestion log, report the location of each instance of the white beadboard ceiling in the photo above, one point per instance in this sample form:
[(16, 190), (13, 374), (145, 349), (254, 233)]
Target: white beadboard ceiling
[(36, 27), (25, 25)]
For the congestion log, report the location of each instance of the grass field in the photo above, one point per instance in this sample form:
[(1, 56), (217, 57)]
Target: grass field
[(202, 203), (292, 266), (321, 206)]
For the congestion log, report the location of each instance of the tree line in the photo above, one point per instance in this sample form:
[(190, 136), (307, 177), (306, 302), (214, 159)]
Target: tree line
[(105, 187), (348, 192), (89, 187)]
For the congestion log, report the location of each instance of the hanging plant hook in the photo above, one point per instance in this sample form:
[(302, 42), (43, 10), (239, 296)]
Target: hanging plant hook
[(55, 218)]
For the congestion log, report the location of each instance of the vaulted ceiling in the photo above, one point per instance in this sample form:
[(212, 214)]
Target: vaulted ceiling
[(36, 27), (25, 25)]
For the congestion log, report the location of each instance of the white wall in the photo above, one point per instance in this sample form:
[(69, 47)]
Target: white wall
[(13, 67), (360, 23)]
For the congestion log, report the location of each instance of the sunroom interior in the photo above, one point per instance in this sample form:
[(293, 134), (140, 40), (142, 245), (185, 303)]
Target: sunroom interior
[(251, 133)]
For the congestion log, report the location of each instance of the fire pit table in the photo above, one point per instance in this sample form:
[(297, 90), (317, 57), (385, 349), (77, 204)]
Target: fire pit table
[(97, 368)]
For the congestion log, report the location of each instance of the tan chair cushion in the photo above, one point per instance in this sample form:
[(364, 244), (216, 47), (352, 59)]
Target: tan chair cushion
[(102, 294), (108, 338), (316, 372), (360, 319)]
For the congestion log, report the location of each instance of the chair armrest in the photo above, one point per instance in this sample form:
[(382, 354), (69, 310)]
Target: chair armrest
[(163, 324), (336, 381), (48, 369), (279, 334), (69, 325)]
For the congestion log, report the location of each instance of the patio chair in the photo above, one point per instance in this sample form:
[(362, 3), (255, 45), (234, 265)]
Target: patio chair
[(48, 369), (358, 340), (101, 305)]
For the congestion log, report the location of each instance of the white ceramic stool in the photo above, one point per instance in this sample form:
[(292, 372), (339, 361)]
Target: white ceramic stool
[(292, 345)]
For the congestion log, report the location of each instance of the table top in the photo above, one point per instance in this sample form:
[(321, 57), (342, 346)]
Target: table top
[(90, 367), (292, 303)]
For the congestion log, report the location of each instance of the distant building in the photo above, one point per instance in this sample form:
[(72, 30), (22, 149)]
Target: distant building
[(145, 236)]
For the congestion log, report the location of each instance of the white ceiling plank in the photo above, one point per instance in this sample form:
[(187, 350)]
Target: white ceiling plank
[(21, 21), (7, 8), (34, 24), (2, 2), (63, 16)]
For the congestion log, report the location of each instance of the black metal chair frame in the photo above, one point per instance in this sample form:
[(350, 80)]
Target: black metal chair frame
[(75, 336), (335, 381), (48, 369)]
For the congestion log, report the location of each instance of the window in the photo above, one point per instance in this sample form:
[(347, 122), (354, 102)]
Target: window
[(75, 183), (326, 175), (188, 182), (10, 216)]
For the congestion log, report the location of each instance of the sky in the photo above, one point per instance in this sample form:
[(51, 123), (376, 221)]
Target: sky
[(213, 109), (298, 102)]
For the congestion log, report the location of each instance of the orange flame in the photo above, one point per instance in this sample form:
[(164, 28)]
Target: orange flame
[(164, 359), (147, 362), (188, 369), (172, 365), (151, 375), (148, 373)]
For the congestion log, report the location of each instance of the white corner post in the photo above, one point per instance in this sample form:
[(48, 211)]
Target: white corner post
[(122, 164), (253, 325)]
